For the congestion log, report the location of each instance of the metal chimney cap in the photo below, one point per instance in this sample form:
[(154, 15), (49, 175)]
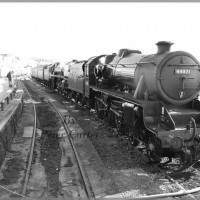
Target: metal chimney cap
[(164, 42), (163, 47)]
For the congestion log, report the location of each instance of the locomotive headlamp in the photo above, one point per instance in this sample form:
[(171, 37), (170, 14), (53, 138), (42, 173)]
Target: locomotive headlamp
[(176, 144)]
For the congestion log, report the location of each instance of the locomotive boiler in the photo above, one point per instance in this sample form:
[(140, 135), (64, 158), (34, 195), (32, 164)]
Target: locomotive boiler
[(170, 76)]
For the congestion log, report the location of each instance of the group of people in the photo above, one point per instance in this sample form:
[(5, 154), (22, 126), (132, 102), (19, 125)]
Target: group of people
[(10, 76)]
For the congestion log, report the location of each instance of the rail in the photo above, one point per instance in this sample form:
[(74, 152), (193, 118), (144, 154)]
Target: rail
[(32, 147), (86, 183)]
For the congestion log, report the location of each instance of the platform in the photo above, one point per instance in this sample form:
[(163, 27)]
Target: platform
[(9, 108), (5, 90), (9, 116)]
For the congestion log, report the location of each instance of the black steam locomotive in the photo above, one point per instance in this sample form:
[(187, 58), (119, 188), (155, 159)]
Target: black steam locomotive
[(150, 99)]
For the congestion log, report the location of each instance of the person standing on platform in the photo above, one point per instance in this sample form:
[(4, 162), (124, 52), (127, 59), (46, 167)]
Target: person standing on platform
[(9, 75), (12, 78)]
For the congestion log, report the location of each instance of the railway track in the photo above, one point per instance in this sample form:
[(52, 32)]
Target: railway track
[(87, 187), (32, 144), (183, 189)]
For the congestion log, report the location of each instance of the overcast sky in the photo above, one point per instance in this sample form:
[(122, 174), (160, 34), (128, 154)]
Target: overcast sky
[(82, 30)]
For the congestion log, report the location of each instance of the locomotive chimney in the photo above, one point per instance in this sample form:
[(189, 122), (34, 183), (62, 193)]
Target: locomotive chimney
[(163, 46)]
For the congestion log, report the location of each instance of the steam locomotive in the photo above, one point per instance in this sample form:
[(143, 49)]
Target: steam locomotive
[(152, 100)]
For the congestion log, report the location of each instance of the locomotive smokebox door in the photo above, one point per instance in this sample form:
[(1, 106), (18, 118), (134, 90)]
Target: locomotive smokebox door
[(178, 74), (129, 114)]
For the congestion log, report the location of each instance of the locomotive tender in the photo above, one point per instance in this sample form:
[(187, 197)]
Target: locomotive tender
[(150, 99)]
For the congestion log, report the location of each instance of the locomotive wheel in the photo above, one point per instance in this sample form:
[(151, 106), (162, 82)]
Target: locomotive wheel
[(118, 125), (83, 101), (67, 94), (111, 119), (70, 95), (76, 98), (132, 135), (87, 103), (96, 107), (100, 113)]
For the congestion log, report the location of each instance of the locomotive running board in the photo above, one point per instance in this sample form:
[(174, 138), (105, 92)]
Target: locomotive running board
[(128, 97)]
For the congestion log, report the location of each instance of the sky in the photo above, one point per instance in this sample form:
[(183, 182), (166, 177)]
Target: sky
[(79, 31)]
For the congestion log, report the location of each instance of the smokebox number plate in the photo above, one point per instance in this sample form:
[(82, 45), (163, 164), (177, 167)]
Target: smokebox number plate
[(182, 71)]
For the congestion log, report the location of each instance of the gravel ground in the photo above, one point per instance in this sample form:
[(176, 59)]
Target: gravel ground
[(50, 152)]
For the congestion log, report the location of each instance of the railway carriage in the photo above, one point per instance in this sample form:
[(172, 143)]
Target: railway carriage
[(37, 73), (40, 74), (33, 72), (47, 72)]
